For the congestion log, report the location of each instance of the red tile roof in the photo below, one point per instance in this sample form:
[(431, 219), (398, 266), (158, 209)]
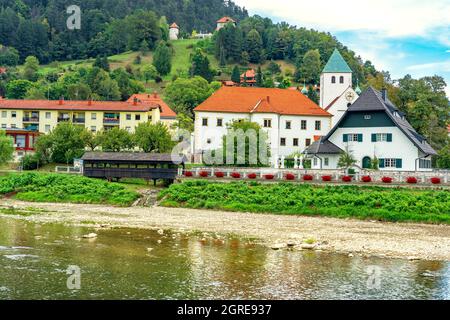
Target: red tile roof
[(264, 100), (154, 98), (174, 25), (225, 20), (249, 74), (70, 105), (3, 70), (448, 128)]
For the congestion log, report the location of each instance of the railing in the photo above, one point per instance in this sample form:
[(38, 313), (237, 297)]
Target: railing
[(62, 119), (321, 176), (79, 120), (30, 119), (111, 121), (68, 170)]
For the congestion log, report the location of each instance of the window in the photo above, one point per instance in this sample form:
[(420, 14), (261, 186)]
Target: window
[(220, 122), (333, 79), (367, 117), (205, 122), (47, 128), (20, 141), (308, 142), (13, 126), (137, 117), (341, 79), (3, 125), (295, 142), (353, 137), (283, 142), (382, 137), (390, 163), (48, 115), (318, 125), (326, 162), (13, 114), (288, 125), (315, 162), (267, 123), (93, 129), (128, 116), (4, 114), (93, 116), (424, 164), (303, 125)]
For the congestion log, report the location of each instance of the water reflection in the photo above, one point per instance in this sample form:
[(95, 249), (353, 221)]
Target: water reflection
[(131, 264)]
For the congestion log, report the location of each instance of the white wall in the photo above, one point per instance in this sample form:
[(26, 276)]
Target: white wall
[(400, 147), (339, 108), (330, 91), (173, 33)]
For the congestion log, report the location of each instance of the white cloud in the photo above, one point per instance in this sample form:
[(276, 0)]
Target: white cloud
[(393, 18), (431, 67)]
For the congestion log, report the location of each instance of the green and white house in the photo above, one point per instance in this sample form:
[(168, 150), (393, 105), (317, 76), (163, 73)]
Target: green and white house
[(373, 128)]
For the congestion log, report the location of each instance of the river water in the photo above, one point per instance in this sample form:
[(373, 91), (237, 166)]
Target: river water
[(131, 264)]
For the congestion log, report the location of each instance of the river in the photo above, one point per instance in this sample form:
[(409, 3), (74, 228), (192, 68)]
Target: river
[(132, 264)]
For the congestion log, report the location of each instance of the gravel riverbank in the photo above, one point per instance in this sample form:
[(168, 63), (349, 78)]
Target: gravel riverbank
[(397, 240)]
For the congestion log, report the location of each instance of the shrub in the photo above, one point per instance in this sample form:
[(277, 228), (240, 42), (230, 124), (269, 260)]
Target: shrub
[(327, 178), (411, 180), (387, 179), (203, 174), (236, 175), (30, 162), (290, 176), (251, 176), (366, 179), (347, 178), (435, 180), (308, 177), (219, 174), (269, 176), (188, 174)]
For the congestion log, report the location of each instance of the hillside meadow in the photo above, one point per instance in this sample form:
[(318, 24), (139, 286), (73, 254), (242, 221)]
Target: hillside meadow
[(368, 203)]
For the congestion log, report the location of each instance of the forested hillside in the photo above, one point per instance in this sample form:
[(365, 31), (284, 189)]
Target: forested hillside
[(38, 27)]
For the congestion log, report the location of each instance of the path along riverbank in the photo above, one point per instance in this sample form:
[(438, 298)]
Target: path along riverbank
[(367, 238)]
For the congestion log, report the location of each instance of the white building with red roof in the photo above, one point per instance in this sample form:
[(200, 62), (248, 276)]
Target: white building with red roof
[(174, 31), (222, 22), (291, 120)]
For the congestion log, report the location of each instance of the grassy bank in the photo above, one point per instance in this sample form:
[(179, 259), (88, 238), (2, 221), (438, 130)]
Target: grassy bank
[(41, 187), (374, 203)]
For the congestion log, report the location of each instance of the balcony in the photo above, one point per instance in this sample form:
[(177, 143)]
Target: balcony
[(79, 120), (31, 119), (63, 119), (111, 121)]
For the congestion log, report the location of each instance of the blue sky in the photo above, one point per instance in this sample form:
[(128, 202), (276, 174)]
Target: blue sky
[(401, 36)]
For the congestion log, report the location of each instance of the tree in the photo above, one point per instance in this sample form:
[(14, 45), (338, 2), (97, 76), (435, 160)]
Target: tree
[(6, 148), (254, 46), (153, 138), (274, 68), (79, 91), (259, 78), (144, 47), (31, 68), (116, 140), (35, 94), (102, 63), (310, 67), (17, 89), (162, 59), (91, 139), (149, 72), (236, 75), (200, 66), (346, 160), (183, 122), (443, 160), (186, 94), (8, 56)]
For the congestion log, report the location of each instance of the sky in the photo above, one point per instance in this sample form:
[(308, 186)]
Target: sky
[(401, 36)]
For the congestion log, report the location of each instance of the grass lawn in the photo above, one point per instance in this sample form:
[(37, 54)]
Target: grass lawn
[(51, 187), (372, 203)]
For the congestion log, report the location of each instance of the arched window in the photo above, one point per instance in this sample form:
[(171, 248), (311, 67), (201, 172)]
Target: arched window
[(341, 79), (333, 79)]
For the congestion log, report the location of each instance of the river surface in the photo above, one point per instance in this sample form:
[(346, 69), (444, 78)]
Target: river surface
[(131, 264)]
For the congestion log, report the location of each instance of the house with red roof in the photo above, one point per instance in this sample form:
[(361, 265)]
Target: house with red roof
[(248, 78), (174, 31), (167, 115), (222, 22), (291, 120)]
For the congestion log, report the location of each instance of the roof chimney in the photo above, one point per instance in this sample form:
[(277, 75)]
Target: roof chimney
[(384, 94), (135, 101), (268, 99), (61, 100), (155, 94), (90, 102)]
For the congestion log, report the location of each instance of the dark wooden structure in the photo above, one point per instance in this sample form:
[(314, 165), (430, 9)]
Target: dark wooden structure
[(117, 165)]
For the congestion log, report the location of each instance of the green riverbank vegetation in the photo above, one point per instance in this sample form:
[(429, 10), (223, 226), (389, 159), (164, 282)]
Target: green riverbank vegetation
[(42, 187), (368, 203)]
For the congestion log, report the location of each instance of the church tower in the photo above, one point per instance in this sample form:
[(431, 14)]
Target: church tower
[(336, 78)]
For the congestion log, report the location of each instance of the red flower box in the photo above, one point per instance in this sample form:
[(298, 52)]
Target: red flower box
[(347, 179), (236, 175), (203, 174), (251, 176), (269, 177), (327, 178), (435, 180), (411, 180), (290, 176), (387, 180), (188, 174), (308, 177), (366, 179), (219, 174)]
